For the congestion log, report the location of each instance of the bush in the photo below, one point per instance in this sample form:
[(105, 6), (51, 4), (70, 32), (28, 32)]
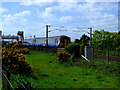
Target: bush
[(13, 59), (63, 56), (118, 49), (73, 49), (18, 47), (82, 50)]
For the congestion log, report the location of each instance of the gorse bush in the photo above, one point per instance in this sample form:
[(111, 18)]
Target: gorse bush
[(13, 59), (18, 47), (63, 56), (73, 49)]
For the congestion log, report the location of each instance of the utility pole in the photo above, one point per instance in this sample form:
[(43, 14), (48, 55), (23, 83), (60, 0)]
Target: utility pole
[(47, 36), (90, 36)]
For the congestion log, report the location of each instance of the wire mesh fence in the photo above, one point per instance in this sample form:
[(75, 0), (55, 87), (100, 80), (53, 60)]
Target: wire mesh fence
[(8, 80), (104, 52)]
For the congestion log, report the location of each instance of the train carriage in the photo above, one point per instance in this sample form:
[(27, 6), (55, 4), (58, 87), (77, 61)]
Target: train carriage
[(56, 41)]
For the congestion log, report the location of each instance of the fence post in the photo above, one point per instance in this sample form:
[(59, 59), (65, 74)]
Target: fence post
[(8, 76), (92, 53), (107, 57)]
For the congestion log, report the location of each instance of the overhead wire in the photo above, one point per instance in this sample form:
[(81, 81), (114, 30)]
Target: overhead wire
[(63, 26), (90, 20)]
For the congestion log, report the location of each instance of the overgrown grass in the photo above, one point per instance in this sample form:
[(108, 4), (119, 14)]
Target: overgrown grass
[(49, 73)]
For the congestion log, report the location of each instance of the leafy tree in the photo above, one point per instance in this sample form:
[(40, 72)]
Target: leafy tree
[(77, 41), (105, 40), (84, 40)]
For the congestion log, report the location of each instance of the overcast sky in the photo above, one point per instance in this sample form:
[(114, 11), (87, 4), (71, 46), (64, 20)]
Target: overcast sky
[(32, 16)]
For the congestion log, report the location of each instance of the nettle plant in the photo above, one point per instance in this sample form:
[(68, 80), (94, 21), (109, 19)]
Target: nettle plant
[(13, 59)]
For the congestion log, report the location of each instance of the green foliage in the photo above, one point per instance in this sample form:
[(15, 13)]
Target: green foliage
[(118, 49), (4, 43), (77, 41), (106, 40), (73, 49), (101, 66), (63, 56), (104, 52), (13, 59), (84, 41)]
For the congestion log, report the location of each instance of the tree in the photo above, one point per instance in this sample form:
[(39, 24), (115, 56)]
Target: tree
[(77, 41), (84, 40), (105, 40)]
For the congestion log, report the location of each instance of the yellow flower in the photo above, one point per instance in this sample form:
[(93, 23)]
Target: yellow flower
[(8, 61)]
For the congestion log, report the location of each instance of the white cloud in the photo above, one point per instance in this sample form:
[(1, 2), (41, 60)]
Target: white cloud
[(65, 19), (49, 15), (2, 10), (36, 2), (10, 22), (22, 14), (75, 6), (16, 17), (66, 6), (89, 10), (102, 0)]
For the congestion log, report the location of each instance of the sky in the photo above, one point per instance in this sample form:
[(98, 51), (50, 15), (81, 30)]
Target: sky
[(70, 18)]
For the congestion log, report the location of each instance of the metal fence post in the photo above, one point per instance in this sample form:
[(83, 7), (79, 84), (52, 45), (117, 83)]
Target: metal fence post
[(8, 76)]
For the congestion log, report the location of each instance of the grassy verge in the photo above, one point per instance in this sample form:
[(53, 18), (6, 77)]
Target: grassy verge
[(49, 73)]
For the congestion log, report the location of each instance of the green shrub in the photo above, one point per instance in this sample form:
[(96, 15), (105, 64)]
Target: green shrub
[(13, 59), (118, 49), (82, 50), (73, 49), (63, 56)]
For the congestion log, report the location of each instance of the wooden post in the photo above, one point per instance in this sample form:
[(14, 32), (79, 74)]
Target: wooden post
[(107, 57), (92, 53)]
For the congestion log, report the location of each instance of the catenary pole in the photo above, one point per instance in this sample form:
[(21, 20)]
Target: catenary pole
[(90, 36), (47, 36)]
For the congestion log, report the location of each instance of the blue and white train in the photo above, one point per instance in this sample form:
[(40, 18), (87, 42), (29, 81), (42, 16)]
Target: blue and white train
[(56, 41)]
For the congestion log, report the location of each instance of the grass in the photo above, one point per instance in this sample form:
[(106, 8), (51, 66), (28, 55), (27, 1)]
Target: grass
[(49, 73)]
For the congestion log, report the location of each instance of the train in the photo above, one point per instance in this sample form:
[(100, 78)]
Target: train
[(55, 41)]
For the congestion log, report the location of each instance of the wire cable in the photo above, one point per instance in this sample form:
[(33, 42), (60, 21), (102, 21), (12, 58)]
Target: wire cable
[(91, 20)]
